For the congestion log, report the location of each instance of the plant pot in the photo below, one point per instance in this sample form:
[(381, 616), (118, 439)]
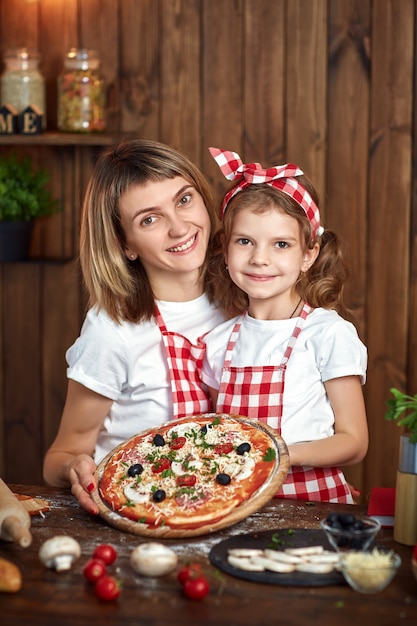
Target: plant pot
[(15, 240), (405, 524), (408, 456)]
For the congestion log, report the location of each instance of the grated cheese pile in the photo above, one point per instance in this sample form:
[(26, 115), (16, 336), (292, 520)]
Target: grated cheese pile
[(368, 570)]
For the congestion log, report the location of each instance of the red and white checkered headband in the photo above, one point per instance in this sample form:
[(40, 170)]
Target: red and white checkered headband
[(281, 177)]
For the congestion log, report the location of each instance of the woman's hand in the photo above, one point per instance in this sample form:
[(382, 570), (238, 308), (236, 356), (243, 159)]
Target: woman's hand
[(80, 476), (69, 460)]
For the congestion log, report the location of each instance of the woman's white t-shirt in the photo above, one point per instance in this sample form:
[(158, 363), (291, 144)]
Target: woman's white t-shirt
[(328, 347), (126, 362)]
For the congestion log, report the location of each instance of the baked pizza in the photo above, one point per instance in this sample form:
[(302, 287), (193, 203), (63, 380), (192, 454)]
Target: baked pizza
[(191, 476)]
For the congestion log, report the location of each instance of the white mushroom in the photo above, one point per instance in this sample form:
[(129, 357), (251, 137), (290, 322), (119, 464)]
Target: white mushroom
[(59, 552), (153, 559)]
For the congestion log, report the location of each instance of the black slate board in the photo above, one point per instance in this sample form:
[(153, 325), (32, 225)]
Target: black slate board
[(281, 539)]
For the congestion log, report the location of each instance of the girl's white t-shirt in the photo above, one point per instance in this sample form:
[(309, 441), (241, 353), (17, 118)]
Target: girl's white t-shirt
[(127, 363), (328, 347)]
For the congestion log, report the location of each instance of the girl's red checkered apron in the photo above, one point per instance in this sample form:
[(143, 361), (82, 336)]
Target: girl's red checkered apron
[(184, 362), (257, 392)]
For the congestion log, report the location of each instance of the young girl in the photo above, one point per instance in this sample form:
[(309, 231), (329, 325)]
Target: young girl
[(146, 228), (288, 359)]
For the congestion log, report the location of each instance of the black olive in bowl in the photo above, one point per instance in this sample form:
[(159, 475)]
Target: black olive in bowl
[(346, 531)]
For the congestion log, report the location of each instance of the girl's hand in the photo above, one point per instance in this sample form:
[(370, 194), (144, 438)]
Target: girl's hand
[(80, 475)]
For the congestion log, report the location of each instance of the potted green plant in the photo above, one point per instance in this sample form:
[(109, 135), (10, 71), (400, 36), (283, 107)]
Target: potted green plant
[(23, 198), (402, 409)]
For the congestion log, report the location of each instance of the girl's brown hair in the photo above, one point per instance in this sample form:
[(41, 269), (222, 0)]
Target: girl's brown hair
[(119, 286), (321, 286)]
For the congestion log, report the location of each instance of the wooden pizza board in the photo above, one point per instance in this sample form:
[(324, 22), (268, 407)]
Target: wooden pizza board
[(270, 487)]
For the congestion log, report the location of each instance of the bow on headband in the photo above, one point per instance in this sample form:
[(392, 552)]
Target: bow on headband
[(281, 177)]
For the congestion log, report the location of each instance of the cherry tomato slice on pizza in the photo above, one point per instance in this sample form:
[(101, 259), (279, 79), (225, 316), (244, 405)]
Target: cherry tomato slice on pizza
[(177, 443), (223, 448), (160, 465), (186, 480)]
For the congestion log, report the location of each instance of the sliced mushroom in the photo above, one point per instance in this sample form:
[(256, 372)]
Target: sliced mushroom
[(282, 557), (314, 568), (244, 563), (245, 552), (273, 565), (305, 550), (59, 552), (153, 559)]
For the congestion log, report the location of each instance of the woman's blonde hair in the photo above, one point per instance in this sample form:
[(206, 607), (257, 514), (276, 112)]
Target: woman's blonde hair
[(321, 286), (119, 286)]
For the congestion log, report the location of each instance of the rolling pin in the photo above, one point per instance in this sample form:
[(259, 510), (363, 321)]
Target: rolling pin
[(14, 519)]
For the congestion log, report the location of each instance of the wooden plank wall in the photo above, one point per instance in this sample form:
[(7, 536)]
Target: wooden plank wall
[(328, 84)]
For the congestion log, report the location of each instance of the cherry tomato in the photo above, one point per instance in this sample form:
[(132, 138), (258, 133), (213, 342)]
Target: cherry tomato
[(107, 588), (192, 570), (177, 443), (196, 588), (106, 553), (161, 465), (94, 569), (186, 480), (223, 448)]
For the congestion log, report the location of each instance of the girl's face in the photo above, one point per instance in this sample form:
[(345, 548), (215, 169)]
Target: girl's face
[(167, 226), (265, 256)]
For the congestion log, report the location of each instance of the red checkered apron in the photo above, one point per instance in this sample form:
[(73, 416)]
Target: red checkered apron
[(184, 362), (257, 392)]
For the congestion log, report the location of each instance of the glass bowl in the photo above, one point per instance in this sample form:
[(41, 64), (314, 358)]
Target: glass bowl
[(346, 531), (369, 572)]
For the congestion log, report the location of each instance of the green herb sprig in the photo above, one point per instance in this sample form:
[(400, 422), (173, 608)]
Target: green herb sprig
[(270, 455), (402, 408)]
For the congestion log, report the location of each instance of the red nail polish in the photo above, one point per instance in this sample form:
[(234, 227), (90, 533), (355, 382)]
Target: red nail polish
[(90, 487)]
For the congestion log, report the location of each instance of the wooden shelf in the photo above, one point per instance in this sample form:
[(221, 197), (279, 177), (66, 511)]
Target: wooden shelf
[(61, 139), (68, 147)]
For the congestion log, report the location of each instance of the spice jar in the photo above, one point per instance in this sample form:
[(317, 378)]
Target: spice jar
[(81, 93), (22, 84)]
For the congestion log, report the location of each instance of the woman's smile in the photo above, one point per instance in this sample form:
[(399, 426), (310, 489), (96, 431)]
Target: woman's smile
[(184, 247)]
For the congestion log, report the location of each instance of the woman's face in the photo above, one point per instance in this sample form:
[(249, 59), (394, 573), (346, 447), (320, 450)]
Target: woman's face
[(167, 226)]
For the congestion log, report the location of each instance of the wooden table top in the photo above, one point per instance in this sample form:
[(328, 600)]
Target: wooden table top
[(48, 597)]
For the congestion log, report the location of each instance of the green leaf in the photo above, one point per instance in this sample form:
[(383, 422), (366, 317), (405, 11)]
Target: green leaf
[(270, 455), (402, 408)]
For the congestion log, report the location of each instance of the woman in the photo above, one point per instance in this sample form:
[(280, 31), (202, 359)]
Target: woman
[(146, 228)]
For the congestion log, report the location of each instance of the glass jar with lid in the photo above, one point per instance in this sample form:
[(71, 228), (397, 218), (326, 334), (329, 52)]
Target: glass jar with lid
[(81, 93), (22, 83)]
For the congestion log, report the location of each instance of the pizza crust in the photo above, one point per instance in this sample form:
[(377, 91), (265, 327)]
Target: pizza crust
[(227, 511)]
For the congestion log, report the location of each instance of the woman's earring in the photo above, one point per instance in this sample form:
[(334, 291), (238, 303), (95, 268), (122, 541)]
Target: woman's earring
[(132, 256)]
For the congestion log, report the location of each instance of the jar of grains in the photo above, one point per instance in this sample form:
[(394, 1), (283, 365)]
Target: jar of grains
[(22, 84), (81, 93)]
